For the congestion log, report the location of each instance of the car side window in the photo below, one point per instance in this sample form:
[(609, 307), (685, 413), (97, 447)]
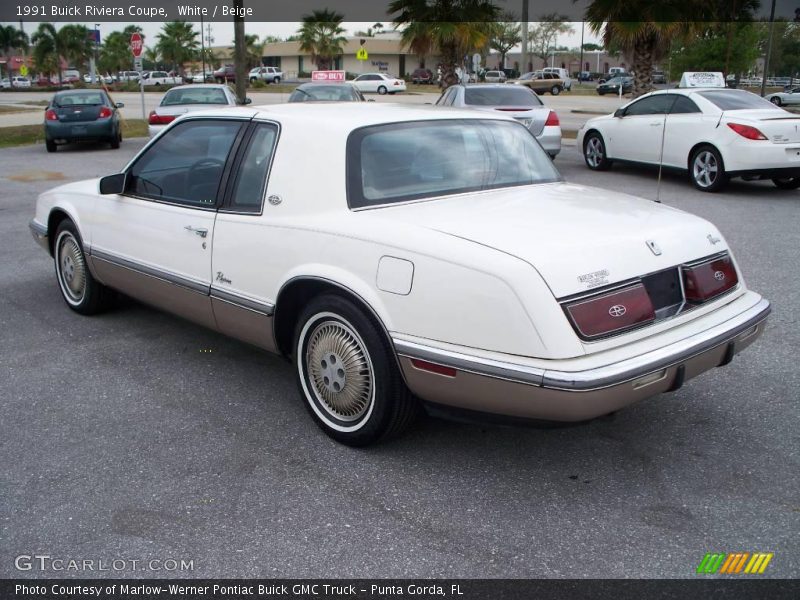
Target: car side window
[(684, 105), (186, 164), (251, 177), (652, 105)]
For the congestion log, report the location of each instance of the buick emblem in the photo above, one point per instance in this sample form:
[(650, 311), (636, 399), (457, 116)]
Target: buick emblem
[(712, 240), (719, 275), (617, 310)]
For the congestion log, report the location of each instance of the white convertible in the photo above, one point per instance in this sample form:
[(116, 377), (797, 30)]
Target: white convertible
[(399, 255), (713, 133)]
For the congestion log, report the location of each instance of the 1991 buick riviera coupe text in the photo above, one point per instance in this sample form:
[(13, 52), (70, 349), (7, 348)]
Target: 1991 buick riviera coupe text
[(400, 255)]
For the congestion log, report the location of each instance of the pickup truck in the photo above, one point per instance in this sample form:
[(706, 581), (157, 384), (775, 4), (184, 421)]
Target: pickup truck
[(158, 78), (542, 83), (265, 74)]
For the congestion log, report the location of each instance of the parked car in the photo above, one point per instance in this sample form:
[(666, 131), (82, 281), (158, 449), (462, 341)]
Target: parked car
[(225, 74), (585, 76), (714, 133), (379, 83), (541, 82), (265, 74), (612, 86), (415, 222), (5, 83), (185, 99), (82, 115), (19, 82), (125, 76), (422, 76), (658, 77), (70, 76), (516, 101), (159, 78), (494, 77), (326, 92), (562, 74), (198, 77), (789, 97)]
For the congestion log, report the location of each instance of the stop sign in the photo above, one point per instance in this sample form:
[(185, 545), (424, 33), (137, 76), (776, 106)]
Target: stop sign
[(136, 44)]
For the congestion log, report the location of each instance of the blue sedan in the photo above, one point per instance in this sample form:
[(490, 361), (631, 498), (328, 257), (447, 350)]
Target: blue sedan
[(82, 115)]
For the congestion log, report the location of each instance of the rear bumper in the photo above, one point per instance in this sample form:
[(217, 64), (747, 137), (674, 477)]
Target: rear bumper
[(747, 158), (516, 390), (79, 130), (550, 139)]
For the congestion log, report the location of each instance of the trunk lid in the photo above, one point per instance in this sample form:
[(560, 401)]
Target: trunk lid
[(78, 112), (533, 118), (577, 237), (780, 126)]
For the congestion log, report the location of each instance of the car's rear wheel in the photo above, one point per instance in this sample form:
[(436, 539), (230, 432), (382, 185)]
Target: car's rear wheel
[(555, 90), (382, 90), (115, 140), (706, 169), (348, 375), (775, 100), (276, 80), (252, 80), (787, 183), (82, 292), (594, 152), (50, 145)]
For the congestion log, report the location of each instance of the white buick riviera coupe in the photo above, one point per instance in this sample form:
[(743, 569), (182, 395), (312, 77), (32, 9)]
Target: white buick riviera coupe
[(403, 257)]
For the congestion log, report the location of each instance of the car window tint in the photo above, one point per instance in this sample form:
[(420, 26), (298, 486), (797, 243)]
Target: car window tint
[(652, 105), (511, 95), (194, 96), (684, 105), (80, 98), (185, 165), (737, 100), (398, 162), (248, 192)]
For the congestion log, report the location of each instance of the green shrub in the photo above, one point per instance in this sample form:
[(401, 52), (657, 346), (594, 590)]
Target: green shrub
[(258, 84)]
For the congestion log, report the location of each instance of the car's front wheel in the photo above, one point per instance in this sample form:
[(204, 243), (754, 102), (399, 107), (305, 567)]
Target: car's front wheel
[(382, 90), (706, 169), (787, 183), (775, 100), (276, 81), (82, 292), (555, 90), (594, 152), (348, 375)]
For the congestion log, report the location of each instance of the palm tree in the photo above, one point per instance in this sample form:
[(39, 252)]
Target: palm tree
[(115, 53), (454, 27), (643, 30), (76, 44), (177, 44), (12, 39), (254, 49), (321, 36), (47, 49)]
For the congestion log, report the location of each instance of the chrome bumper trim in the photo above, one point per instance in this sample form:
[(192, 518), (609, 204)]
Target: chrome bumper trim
[(190, 284), (600, 377), (264, 308), (39, 233)]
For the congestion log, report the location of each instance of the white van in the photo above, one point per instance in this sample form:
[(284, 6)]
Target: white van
[(563, 74)]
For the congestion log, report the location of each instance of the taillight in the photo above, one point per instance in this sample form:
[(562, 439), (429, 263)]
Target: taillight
[(751, 133), (397, 82), (105, 112), (51, 115), (710, 279), (552, 120), (612, 312), (156, 119)]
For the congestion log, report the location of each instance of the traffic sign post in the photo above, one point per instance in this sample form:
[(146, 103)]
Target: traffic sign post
[(23, 70), (136, 49)]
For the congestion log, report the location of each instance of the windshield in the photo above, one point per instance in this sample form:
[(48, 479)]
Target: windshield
[(501, 96), (526, 76), (425, 159), (733, 100), (194, 96)]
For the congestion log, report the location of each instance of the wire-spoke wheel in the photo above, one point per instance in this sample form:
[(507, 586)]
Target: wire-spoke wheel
[(348, 374), (594, 152), (707, 170), (81, 291)]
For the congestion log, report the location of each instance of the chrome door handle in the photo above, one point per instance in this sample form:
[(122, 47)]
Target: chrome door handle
[(199, 231)]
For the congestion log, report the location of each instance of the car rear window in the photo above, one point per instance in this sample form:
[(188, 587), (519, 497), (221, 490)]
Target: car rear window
[(501, 96), (332, 93), (85, 98), (733, 100), (425, 159), (194, 96)]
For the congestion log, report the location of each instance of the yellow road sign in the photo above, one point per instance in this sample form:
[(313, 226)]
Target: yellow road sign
[(362, 54), (23, 70)]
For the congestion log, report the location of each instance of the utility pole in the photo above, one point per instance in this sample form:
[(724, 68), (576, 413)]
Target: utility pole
[(769, 49), (580, 66), (202, 48), (239, 51), (523, 66)]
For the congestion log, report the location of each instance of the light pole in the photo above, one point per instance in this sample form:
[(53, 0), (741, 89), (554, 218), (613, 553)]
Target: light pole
[(769, 49), (580, 66), (202, 48), (523, 66), (96, 45)]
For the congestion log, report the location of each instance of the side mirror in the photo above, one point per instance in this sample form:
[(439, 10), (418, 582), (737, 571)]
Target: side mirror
[(372, 100), (619, 113), (120, 105), (113, 184), (247, 101)]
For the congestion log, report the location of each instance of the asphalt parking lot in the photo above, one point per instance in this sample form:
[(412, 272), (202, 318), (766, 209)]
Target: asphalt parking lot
[(136, 435)]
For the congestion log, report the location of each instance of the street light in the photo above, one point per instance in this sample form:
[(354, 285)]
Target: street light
[(769, 49)]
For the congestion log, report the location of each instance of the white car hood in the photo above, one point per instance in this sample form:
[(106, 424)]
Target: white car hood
[(577, 237)]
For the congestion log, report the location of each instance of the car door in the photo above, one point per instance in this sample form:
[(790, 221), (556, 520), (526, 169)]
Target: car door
[(367, 83), (636, 134), (243, 287), (154, 240), (686, 126), (793, 97)]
